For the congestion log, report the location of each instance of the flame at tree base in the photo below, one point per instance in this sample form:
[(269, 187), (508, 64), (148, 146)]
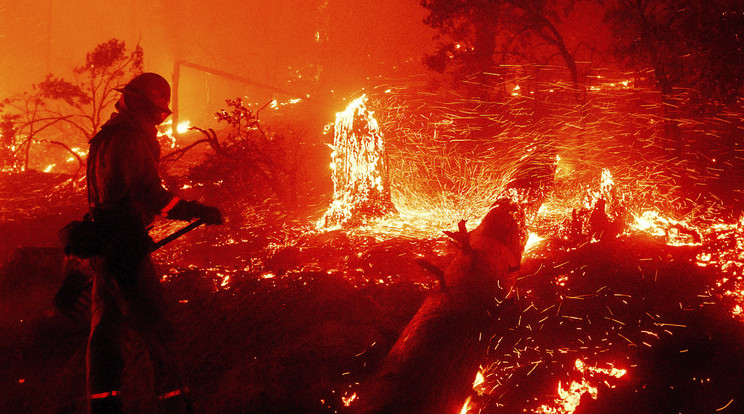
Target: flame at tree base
[(361, 183)]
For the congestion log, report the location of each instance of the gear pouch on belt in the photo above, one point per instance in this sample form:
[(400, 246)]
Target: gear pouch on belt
[(82, 239)]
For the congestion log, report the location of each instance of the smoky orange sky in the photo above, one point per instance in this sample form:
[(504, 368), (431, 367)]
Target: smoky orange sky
[(288, 44)]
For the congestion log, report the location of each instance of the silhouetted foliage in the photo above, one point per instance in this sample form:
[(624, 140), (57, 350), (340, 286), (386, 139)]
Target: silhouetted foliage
[(475, 36), (689, 44), (252, 159), (64, 112)]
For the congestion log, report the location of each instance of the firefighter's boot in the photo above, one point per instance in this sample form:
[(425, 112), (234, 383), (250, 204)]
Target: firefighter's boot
[(105, 405), (175, 402)]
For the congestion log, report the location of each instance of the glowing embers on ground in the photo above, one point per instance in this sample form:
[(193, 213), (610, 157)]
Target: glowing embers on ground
[(361, 184), (718, 245), (675, 232), (724, 249), (570, 397)]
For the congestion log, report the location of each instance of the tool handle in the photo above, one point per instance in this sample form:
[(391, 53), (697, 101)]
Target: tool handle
[(177, 234)]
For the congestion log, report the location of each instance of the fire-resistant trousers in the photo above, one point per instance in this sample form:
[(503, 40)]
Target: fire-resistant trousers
[(127, 292)]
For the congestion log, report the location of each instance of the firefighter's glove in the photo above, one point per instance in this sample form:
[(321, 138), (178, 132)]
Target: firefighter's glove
[(189, 210), (210, 214)]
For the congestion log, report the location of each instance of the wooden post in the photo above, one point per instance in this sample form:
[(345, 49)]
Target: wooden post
[(174, 96)]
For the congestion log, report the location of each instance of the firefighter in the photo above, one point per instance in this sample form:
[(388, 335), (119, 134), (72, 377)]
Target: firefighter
[(125, 194)]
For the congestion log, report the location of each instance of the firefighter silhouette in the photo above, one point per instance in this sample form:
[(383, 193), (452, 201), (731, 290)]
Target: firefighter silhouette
[(125, 194)]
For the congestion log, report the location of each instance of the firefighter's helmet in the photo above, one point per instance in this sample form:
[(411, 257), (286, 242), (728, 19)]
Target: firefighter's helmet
[(152, 87)]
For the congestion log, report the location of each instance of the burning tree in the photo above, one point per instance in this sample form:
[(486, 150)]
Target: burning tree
[(361, 184)]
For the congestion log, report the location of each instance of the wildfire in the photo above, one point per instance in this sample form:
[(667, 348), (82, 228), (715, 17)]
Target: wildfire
[(442, 174), (426, 213)]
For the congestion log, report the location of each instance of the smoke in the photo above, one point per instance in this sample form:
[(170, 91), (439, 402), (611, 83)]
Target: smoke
[(297, 45)]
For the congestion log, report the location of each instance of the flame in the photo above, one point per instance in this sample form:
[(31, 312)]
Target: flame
[(677, 232), (479, 379), (466, 406), (612, 371), (277, 105), (607, 183), (532, 241), (647, 194), (348, 400), (79, 151), (359, 164), (569, 398), (181, 128)]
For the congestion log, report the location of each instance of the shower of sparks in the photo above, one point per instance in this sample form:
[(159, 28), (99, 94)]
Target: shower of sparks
[(454, 156)]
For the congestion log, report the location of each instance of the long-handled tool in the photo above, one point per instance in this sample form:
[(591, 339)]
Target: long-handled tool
[(177, 234), (76, 286)]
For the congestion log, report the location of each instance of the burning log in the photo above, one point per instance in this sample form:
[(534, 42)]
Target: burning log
[(432, 365), (361, 184), (532, 180)]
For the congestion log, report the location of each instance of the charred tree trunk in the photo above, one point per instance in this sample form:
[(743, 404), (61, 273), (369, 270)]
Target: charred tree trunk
[(361, 182)]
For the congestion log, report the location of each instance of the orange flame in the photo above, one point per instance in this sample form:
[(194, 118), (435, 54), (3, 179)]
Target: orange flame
[(569, 398), (361, 187)]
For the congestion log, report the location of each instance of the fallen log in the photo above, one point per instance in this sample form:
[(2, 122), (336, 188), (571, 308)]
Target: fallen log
[(431, 367)]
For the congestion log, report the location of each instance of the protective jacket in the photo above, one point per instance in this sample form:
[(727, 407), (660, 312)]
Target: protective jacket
[(123, 178)]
